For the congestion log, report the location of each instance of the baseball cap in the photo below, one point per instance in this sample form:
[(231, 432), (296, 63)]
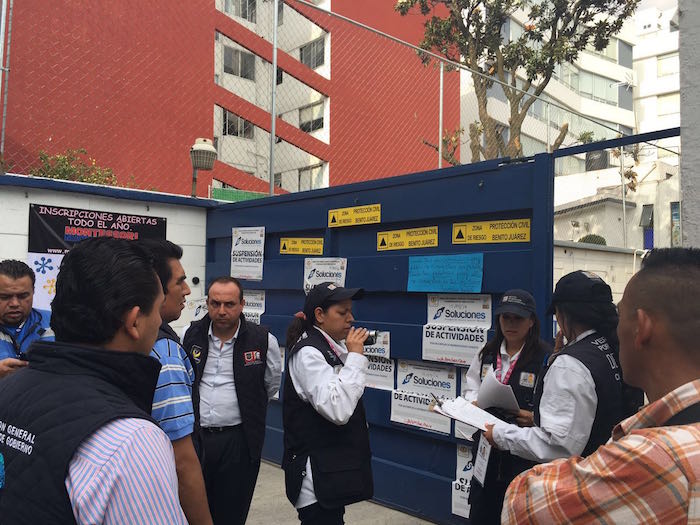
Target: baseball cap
[(326, 294), (518, 302), (580, 287)]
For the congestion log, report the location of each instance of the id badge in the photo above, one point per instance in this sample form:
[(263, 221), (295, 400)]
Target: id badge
[(482, 460)]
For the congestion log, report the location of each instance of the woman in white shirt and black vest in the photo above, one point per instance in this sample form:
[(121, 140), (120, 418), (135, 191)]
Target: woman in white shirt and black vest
[(515, 356), (327, 459)]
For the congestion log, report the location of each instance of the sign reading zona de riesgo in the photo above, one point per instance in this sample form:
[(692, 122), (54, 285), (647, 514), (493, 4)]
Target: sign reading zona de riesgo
[(409, 239), (301, 245), (487, 232), (355, 215)]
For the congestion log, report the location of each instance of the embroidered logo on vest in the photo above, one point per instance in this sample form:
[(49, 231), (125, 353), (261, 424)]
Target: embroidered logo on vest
[(252, 357), (196, 353)]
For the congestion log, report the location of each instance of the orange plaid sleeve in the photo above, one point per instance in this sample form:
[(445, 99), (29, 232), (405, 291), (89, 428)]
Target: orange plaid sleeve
[(642, 478)]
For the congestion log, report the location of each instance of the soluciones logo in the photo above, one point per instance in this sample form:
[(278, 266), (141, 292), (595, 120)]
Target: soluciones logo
[(407, 379)]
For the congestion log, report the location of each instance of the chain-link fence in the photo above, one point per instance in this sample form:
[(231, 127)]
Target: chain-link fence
[(352, 102)]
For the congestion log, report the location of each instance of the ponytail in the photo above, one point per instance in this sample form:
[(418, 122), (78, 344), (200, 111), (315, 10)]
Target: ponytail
[(298, 326)]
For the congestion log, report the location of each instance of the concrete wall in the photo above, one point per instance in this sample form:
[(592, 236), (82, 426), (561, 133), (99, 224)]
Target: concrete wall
[(689, 19), (614, 265), (186, 225)]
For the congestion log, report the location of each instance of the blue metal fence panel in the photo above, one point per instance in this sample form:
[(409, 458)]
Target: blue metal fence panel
[(413, 468)]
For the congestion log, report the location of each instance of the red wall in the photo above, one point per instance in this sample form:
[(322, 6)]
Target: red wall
[(132, 82)]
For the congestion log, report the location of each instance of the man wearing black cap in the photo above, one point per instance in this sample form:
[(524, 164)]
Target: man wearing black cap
[(580, 398), (237, 371), (327, 460)]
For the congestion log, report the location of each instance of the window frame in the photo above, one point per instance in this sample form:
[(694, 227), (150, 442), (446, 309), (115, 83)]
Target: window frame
[(314, 53), (315, 122)]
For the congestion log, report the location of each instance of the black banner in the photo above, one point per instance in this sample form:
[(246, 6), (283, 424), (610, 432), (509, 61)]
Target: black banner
[(53, 229)]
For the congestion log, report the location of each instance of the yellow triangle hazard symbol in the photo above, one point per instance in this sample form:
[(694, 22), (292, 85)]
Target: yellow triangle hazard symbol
[(460, 234), (284, 246), (383, 242), (333, 220)]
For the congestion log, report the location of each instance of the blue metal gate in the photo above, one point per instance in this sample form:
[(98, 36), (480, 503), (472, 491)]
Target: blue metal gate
[(413, 469)]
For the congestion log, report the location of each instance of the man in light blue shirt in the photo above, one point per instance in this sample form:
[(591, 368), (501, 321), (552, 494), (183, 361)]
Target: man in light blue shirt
[(172, 401)]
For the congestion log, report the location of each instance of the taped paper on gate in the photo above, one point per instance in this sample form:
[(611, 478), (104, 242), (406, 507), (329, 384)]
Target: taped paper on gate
[(457, 327), (410, 408), (462, 410), (319, 270), (247, 253), (382, 346), (380, 373), (427, 378), (254, 305), (462, 483)]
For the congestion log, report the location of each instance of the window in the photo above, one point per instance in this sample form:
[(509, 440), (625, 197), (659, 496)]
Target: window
[(311, 117), (312, 54), (239, 63), (667, 65), (310, 177), (278, 180), (668, 104), (241, 8), (598, 88), (647, 223), (609, 52), (675, 224), (237, 126), (280, 13), (280, 76)]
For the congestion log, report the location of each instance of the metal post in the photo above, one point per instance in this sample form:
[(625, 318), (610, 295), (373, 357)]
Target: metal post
[(6, 75), (273, 90), (549, 125), (442, 83), (194, 182), (624, 197)]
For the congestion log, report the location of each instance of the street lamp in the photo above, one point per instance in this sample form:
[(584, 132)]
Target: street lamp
[(203, 155)]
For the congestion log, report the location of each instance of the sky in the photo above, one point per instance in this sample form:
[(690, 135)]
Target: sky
[(660, 4)]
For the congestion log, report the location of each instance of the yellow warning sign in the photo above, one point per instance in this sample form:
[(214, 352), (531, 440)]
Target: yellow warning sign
[(425, 237), (509, 230), (302, 245), (369, 214)]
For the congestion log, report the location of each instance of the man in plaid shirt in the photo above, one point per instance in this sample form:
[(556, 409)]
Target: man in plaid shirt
[(650, 471)]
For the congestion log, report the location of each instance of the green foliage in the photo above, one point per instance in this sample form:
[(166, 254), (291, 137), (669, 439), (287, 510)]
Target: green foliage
[(469, 32), (593, 238), (73, 165), (586, 137)]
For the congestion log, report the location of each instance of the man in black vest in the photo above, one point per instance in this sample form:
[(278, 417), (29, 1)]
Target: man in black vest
[(237, 370), (650, 472), (75, 423), (172, 403)]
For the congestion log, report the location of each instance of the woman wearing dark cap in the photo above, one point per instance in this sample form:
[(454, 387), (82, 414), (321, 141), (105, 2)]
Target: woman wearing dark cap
[(327, 460), (580, 398), (515, 356)]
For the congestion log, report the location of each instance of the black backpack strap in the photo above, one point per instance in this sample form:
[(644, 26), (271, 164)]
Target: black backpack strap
[(687, 416)]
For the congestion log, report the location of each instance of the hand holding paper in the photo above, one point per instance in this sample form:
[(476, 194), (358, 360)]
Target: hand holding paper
[(494, 394)]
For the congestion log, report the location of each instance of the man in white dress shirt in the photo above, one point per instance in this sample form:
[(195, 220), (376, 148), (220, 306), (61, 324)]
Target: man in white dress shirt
[(238, 369)]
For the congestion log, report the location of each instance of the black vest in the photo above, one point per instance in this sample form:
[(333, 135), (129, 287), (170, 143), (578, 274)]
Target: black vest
[(49, 408), (600, 358), (340, 454), (249, 364), (504, 466)]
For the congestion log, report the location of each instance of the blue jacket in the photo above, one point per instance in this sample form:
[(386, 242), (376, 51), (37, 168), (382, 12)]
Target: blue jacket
[(15, 342)]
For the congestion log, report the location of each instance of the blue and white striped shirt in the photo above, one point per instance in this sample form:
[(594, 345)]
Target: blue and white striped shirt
[(172, 401), (125, 473)]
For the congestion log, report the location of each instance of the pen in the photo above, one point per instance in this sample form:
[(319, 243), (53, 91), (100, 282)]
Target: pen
[(437, 401)]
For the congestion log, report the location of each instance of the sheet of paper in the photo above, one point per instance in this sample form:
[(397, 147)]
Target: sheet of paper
[(462, 410), (493, 393)]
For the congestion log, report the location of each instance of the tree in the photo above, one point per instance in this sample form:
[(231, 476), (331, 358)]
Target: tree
[(72, 165), (469, 32), (593, 238)]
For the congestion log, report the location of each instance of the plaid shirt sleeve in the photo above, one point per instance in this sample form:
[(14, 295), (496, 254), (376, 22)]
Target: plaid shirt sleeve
[(649, 475)]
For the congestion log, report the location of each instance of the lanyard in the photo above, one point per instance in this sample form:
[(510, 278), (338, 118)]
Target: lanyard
[(505, 379)]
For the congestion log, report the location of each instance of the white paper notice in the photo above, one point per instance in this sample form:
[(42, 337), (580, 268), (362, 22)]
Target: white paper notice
[(457, 327), (412, 409), (380, 373), (462, 483), (324, 269), (493, 393), (254, 305), (382, 347), (427, 379), (247, 253)]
